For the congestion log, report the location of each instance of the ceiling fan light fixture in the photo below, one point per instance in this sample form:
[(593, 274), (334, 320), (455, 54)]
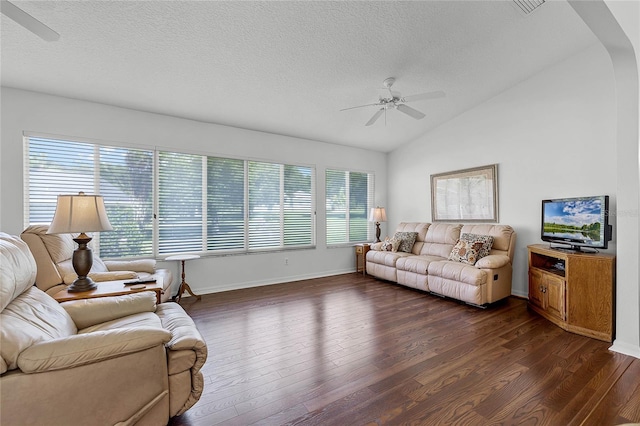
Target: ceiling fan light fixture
[(397, 101)]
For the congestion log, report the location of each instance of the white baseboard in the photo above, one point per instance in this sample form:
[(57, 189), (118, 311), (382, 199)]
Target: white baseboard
[(626, 349), (259, 283)]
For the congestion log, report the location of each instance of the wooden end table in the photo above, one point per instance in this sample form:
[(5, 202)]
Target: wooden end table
[(183, 285), (361, 257), (110, 288)]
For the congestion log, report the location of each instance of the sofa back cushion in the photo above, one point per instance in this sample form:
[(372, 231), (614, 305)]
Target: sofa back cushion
[(53, 253), (440, 239), (504, 237), (420, 228), (28, 315), (18, 271)]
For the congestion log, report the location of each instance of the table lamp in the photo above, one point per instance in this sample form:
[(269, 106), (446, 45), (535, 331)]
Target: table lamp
[(377, 215), (80, 213)]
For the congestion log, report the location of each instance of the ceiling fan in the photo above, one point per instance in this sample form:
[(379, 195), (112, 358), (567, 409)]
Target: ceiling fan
[(397, 101), (29, 22)]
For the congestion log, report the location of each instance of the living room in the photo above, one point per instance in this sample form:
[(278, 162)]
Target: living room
[(569, 108)]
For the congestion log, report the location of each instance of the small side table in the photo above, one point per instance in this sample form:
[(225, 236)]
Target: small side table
[(110, 288), (183, 285), (361, 257)]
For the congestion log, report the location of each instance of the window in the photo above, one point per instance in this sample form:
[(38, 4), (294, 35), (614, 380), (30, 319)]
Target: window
[(349, 196), (122, 176), (204, 204), (281, 212)]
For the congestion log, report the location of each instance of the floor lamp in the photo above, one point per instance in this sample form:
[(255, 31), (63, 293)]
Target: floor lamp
[(377, 215), (80, 213)]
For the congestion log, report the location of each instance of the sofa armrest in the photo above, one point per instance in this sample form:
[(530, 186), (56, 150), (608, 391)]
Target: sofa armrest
[(89, 348), (184, 337), (493, 261), (376, 246), (140, 265), (88, 312)]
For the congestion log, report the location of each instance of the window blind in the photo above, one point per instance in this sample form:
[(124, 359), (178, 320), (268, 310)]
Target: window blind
[(204, 204), (122, 176), (180, 203), (349, 196)]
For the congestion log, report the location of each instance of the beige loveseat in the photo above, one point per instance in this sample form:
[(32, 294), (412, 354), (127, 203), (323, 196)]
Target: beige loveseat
[(110, 361), (426, 266), (53, 254)]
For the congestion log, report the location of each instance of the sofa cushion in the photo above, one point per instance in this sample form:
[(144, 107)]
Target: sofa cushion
[(420, 227), (407, 240), (470, 248), (18, 271), (457, 271), (503, 236), (416, 264), (387, 258), (31, 318), (440, 239)]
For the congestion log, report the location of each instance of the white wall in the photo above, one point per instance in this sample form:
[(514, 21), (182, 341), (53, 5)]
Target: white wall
[(552, 136), (617, 26), (34, 112)]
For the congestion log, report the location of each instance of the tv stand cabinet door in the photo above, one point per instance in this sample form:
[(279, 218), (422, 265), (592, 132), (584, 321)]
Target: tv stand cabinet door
[(590, 295)]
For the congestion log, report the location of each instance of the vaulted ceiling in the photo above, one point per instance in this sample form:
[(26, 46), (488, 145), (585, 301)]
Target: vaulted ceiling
[(289, 67)]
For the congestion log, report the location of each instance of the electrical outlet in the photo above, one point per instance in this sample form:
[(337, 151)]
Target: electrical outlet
[(286, 261)]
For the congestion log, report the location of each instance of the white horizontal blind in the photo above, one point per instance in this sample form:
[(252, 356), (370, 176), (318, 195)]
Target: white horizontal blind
[(299, 206), (349, 196), (265, 205), (124, 177), (205, 204), (126, 184), (225, 204), (281, 205), (180, 203)]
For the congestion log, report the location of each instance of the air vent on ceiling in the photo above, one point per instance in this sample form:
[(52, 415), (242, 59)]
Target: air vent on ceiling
[(528, 6)]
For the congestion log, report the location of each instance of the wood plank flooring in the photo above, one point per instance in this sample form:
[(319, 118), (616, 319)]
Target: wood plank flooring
[(354, 350)]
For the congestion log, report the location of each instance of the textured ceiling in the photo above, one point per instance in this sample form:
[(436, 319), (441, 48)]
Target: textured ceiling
[(289, 67)]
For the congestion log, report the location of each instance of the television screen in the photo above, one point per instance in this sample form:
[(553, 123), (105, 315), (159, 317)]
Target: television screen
[(579, 222)]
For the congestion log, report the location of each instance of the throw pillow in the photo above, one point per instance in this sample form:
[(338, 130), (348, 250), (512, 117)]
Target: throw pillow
[(471, 247), (395, 243), (408, 240)]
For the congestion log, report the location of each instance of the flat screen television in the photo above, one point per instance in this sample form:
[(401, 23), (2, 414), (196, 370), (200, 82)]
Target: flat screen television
[(578, 222)]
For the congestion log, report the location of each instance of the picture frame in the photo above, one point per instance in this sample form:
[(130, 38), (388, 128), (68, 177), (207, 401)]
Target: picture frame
[(467, 195)]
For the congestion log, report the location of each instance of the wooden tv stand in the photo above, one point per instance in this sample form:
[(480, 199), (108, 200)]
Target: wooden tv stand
[(574, 290)]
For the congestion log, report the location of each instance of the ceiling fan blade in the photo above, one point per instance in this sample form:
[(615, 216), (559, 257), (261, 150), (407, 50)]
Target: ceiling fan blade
[(410, 111), (375, 117), (359, 106), (428, 95), (29, 22)]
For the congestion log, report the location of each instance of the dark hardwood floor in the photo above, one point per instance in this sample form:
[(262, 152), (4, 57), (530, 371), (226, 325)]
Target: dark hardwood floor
[(353, 350)]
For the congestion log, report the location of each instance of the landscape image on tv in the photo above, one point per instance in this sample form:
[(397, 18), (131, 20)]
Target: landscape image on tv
[(578, 220)]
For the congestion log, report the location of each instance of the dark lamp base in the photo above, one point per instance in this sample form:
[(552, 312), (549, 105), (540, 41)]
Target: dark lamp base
[(82, 284)]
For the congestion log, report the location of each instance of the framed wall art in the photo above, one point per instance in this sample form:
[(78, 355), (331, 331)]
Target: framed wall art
[(469, 195)]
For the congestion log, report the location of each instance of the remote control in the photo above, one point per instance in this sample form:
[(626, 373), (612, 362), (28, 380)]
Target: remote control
[(140, 281)]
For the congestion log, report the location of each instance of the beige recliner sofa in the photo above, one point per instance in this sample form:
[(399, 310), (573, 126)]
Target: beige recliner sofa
[(53, 254), (427, 265), (110, 361)]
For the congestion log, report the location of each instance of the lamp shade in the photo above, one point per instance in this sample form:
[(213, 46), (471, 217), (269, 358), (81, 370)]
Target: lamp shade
[(79, 213), (377, 214)]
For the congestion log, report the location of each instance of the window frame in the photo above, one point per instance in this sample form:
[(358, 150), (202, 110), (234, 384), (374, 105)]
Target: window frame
[(310, 198), (370, 203)]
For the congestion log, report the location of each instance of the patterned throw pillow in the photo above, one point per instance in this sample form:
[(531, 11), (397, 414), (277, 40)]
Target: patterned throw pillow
[(408, 240), (395, 244), (471, 247)]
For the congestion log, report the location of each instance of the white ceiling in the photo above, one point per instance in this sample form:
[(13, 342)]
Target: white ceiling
[(288, 67)]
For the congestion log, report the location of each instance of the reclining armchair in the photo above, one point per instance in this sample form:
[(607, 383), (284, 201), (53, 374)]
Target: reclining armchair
[(116, 360), (53, 253)]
